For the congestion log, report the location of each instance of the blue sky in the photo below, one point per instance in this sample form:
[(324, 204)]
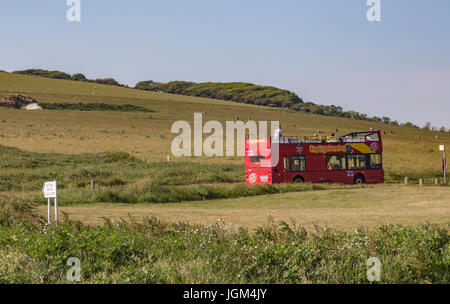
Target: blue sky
[(324, 50)]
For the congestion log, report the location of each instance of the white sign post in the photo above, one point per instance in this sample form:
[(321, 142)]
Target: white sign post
[(50, 191), (444, 162)]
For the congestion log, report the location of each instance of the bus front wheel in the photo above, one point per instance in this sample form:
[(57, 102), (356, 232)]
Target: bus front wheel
[(299, 179), (359, 179)]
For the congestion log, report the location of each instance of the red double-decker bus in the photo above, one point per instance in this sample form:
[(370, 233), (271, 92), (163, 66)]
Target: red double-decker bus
[(355, 158)]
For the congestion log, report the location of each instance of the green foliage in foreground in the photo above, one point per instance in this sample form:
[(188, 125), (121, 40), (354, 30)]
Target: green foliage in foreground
[(82, 106), (157, 252)]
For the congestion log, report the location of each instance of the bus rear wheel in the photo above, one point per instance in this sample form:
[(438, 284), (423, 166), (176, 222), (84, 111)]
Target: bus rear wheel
[(299, 180), (359, 179)]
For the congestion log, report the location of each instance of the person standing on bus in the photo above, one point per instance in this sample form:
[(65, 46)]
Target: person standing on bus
[(278, 133)]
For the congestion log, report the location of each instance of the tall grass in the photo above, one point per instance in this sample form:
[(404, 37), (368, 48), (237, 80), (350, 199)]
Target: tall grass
[(27, 171), (143, 192), (159, 252), (24, 170), (429, 178)]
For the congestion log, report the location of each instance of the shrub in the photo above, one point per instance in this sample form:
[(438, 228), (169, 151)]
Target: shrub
[(107, 81), (83, 106), (45, 73), (79, 77), (236, 91)]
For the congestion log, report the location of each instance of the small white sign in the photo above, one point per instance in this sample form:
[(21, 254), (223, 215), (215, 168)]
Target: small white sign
[(49, 189), (442, 148)]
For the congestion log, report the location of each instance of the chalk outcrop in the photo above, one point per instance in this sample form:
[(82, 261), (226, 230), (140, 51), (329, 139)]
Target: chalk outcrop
[(33, 106)]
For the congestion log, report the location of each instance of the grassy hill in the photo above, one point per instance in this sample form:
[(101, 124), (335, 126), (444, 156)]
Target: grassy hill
[(147, 135), (234, 91)]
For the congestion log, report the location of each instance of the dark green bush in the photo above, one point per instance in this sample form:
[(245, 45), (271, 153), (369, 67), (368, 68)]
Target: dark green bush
[(45, 73), (82, 106), (79, 77), (107, 81), (235, 91)]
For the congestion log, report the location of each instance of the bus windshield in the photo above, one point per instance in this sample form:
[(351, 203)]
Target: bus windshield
[(257, 159)]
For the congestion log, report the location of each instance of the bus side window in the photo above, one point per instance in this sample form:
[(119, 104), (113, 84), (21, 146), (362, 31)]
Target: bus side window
[(286, 163), (356, 162), (373, 137), (375, 161), (298, 164), (336, 162)]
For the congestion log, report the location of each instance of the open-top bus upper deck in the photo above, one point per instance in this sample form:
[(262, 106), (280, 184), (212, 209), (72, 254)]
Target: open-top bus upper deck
[(353, 158)]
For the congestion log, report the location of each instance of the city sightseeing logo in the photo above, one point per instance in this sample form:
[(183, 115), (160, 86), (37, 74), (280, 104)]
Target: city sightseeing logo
[(324, 149), (252, 178), (374, 147)]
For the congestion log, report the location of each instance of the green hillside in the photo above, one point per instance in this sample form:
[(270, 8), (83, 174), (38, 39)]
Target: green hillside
[(234, 91)]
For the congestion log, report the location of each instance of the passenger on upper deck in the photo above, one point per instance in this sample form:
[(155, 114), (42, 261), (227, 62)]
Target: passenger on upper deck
[(278, 133)]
